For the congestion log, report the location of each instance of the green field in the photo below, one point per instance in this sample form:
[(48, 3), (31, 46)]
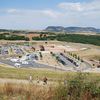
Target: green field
[(23, 73), (75, 38)]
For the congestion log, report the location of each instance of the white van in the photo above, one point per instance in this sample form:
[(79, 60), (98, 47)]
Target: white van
[(25, 62), (17, 65), (14, 60)]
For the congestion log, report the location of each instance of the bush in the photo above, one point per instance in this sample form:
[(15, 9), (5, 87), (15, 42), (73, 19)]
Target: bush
[(79, 88)]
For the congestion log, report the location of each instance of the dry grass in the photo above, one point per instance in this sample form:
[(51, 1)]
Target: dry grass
[(11, 91), (80, 87), (77, 88)]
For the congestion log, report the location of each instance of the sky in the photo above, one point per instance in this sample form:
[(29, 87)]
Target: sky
[(38, 14)]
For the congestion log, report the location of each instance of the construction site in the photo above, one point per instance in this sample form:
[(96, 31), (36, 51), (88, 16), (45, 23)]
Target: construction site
[(48, 55)]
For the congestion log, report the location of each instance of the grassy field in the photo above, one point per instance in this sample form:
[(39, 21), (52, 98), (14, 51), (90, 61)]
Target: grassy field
[(77, 88), (23, 73)]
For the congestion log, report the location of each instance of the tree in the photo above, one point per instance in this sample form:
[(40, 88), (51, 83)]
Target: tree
[(40, 55), (41, 35), (78, 58)]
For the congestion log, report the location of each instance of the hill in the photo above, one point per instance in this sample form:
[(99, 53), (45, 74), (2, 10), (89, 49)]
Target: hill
[(71, 29)]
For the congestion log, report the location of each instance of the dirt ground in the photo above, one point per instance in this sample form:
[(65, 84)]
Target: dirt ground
[(91, 53)]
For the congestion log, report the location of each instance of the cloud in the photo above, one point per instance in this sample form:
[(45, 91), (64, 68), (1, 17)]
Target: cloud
[(48, 13), (51, 13), (28, 18), (71, 6), (81, 13), (80, 6), (67, 14), (11, 11), (92, 6)]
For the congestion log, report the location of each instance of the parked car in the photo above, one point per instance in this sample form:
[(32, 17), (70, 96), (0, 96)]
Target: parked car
[(17, 65)]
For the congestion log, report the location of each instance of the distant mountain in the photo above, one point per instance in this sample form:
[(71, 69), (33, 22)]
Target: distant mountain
[(11, 31), (55, 28), (71, 29), (4, 30)]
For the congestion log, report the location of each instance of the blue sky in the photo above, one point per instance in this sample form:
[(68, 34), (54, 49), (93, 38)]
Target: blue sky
[(38, 14), (35, 4)]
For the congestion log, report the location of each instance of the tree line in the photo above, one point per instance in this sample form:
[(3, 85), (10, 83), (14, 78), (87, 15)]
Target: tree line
[(12, 37), (76, 38)]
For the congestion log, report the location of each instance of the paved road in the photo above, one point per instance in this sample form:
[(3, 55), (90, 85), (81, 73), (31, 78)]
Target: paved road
[(87, 66), (32, 64), (67, 62)]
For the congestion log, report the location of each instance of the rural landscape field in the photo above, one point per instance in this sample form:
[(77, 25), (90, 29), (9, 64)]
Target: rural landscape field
[(50, 50)]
